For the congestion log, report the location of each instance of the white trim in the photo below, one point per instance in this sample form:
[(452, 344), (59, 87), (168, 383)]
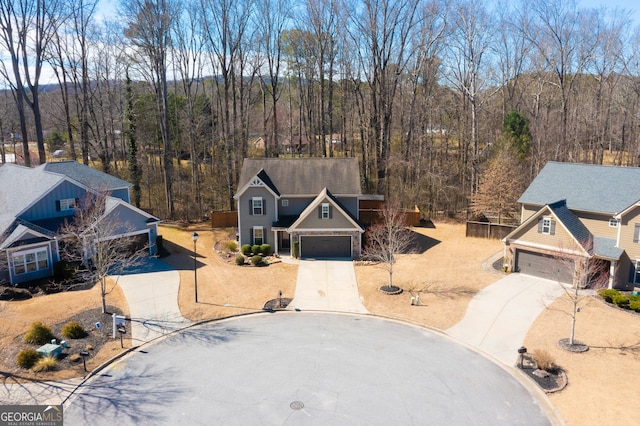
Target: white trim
[(253, 236), (254, 208), (326, 206), (37, 249), (614, 223), (553, 249), (18, 233), (126, 234), (250, 184), (314, 204)]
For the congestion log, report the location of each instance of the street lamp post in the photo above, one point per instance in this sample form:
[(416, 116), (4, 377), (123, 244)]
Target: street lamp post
[(194, 237)]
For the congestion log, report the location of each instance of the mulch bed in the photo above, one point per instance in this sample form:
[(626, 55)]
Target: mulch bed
[(94, 340), (549, 381)]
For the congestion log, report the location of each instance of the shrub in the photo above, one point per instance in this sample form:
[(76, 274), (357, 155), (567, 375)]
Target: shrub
[(255, 249), (63, 271), (295, 251), (27, 358), (73, 330), (245, 249), (608, 294), (265, 249), (231, 246), (544, 360), (257, 260), (46, 363), (239, 260), (634, 305), (39, 334), (621, 301)]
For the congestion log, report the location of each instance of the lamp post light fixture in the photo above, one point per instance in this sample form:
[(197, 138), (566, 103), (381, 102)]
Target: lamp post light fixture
[(194, 237)]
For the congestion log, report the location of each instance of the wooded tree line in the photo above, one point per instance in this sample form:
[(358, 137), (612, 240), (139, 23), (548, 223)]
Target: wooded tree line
[(175, 94)]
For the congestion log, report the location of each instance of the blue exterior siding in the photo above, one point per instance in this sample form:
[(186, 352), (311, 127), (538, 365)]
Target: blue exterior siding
[(53, 257), (45, 208), (122, 194)]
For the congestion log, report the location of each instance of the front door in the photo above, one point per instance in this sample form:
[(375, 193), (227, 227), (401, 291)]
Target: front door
[(284, 240)]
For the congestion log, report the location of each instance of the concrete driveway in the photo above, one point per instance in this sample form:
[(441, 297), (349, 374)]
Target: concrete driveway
[(293, 368), (152, 293), (327, 285), (499, 316)]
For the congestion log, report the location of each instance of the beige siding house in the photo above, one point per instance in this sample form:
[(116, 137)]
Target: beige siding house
[(580, 224)]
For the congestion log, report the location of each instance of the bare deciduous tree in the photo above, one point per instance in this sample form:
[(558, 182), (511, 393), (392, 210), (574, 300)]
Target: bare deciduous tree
[(102, 243), (386, 239)]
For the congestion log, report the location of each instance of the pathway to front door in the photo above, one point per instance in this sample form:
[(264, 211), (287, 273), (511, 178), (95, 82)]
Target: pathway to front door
[(327, 285)]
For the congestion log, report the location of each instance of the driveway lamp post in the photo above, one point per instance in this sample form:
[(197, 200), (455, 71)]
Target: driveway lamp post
[(194, 237), (122, 331), (522, 351)]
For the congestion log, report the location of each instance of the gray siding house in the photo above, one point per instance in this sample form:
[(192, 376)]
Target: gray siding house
[(309, 201), (35, 202), (573, 215)]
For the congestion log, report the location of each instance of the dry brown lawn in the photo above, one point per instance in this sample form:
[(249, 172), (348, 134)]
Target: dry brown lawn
[(448, 272), (450, 263), (224, 288)]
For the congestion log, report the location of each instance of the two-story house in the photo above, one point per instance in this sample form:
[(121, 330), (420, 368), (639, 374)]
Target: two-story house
[(309, 202), (35, 202), (577, 214)]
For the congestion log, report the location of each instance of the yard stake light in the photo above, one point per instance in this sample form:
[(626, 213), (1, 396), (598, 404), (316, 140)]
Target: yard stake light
[(194, 237)]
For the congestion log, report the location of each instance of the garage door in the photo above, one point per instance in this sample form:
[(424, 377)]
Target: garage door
[(325, 246), (544, 266)]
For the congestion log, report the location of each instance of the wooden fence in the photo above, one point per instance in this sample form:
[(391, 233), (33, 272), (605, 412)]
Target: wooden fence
[(224, 219), (372, 216), (488, 230)]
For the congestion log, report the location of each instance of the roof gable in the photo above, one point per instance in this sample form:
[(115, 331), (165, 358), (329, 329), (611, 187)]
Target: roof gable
[(323, 196), (304, 176), (261, 179), (585, 187)]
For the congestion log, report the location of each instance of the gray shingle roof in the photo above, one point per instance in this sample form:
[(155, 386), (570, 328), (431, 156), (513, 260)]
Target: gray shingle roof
[(21, 186), (586, 187), (305, 176), (606, 247), (572, 223), (87, 176)]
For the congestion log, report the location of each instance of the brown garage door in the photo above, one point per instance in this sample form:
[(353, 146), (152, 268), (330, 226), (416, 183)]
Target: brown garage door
[(325, 246), (543, 266)]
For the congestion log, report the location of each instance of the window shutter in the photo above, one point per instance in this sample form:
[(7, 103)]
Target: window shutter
[(330, 212), (264, 206), (540, 226), (320, 211), (264, 236), (251, 236), (632, 272), (251, 208), (77, 203), (636, 233), (57, 205), (553, 228)]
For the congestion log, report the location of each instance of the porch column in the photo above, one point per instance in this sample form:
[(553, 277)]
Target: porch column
[(275, 241), (612, 271)]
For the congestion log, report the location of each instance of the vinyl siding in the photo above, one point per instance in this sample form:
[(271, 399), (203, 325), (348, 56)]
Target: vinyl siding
[(528, 211), (598, 225), (627, 226), (561, 239), (45, 208), (248, 221), (295, 207), (337, 221)]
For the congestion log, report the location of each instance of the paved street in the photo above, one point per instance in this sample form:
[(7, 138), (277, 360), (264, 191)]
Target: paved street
[(306, 368)]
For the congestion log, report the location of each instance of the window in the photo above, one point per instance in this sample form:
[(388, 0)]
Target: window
[(636, 233), (326, 211), (258, 235), (285, 203), (546, 225), (636, 276), (67, 204), (613, 223), (257, 206), (30, 261)]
